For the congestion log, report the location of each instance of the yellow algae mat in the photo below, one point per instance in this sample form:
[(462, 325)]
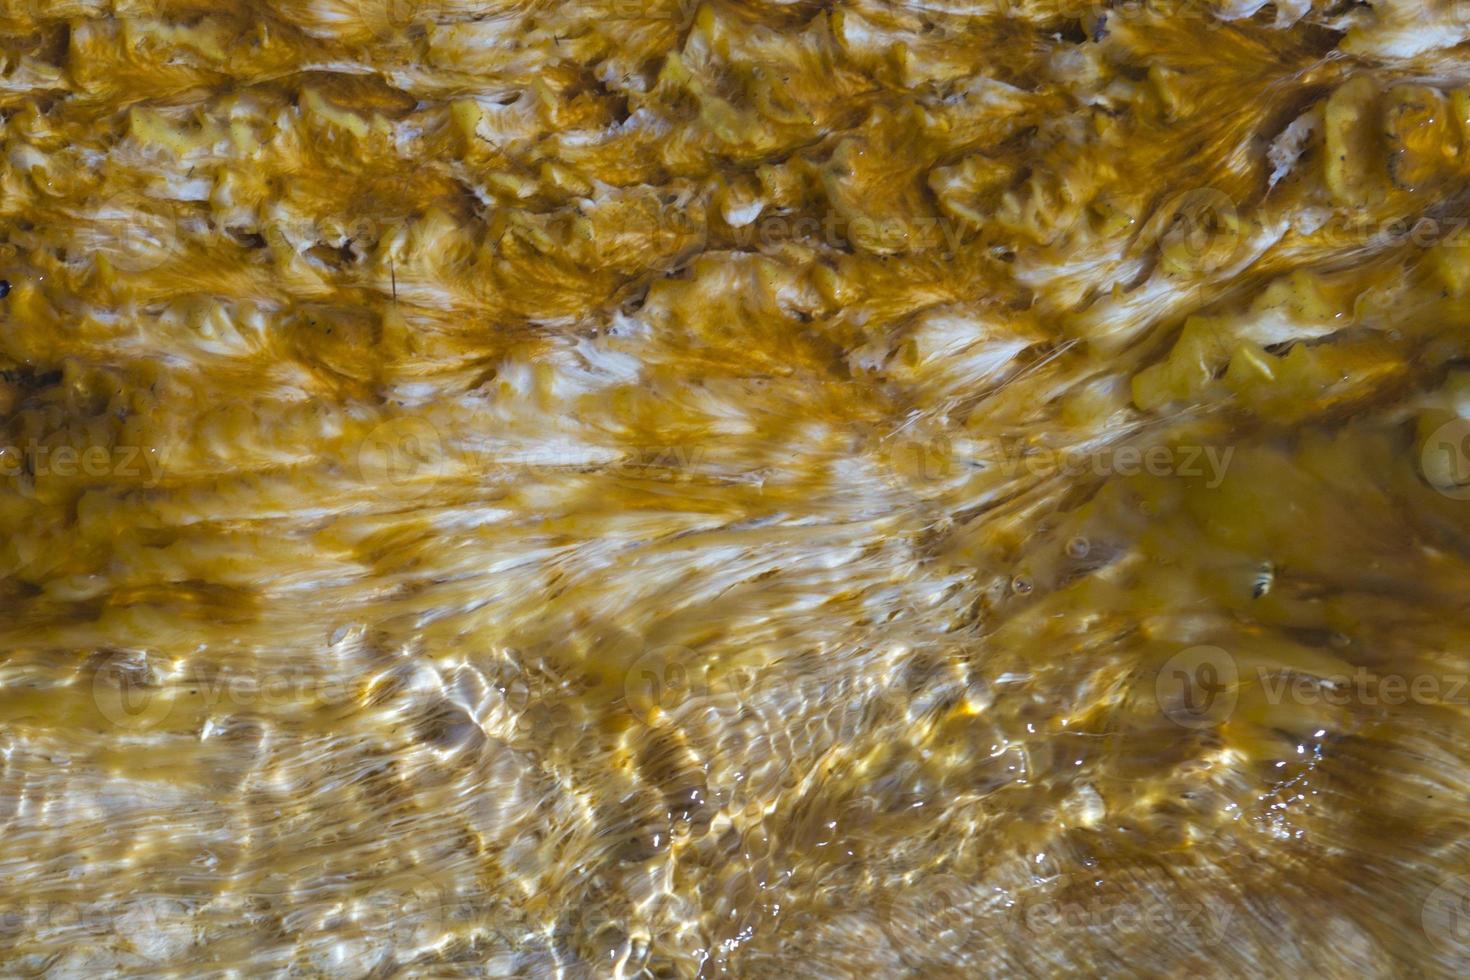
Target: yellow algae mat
[(636, 488)]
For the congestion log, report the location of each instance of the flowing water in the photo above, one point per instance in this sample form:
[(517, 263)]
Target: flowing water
[(766, 489)]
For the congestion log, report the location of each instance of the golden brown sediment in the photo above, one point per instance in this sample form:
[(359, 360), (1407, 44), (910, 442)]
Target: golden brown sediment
[(757, 489)]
